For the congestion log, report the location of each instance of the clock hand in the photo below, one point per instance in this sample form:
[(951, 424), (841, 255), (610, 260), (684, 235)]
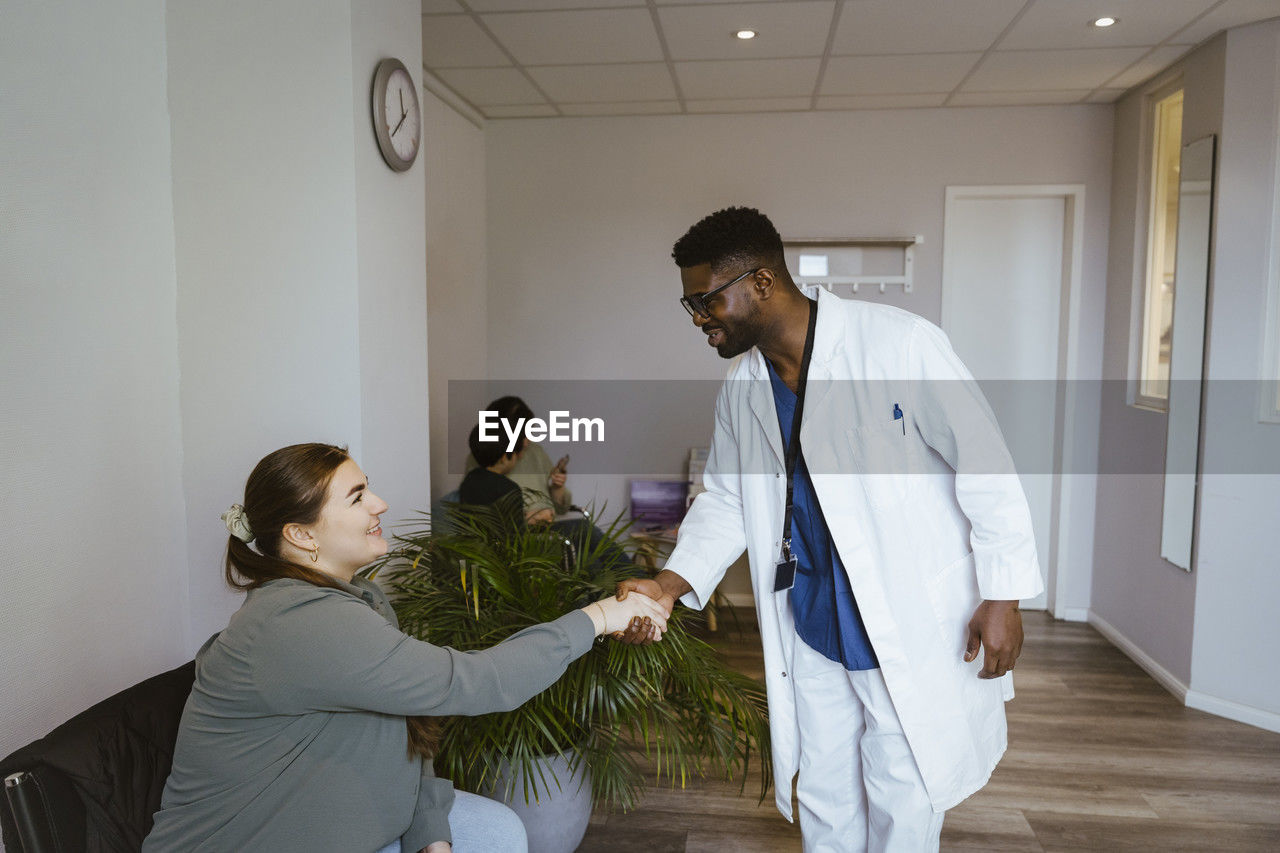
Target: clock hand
[(401, 91), (402, 118)]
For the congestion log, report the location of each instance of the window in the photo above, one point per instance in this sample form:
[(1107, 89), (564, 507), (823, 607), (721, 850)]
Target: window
[(1162, 247)]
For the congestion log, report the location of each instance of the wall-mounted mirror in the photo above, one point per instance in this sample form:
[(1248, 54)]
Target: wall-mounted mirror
[(1186, 365)]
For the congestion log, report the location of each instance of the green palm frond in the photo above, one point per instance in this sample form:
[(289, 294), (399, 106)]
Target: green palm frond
[(670, 709)]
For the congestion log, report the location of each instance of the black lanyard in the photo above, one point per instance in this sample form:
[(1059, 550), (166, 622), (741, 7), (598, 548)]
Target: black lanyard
[(793, 456)]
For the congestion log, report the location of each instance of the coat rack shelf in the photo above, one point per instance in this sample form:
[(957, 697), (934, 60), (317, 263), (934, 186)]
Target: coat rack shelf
[(847, 254)]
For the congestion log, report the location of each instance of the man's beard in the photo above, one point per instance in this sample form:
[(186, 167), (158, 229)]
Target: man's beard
[(742, 337), (733, 345)]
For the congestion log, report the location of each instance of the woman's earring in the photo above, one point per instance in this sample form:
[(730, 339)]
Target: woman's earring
[(315, 555)]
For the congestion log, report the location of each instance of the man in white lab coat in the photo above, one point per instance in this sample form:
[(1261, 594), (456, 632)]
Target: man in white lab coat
[(888, 595)]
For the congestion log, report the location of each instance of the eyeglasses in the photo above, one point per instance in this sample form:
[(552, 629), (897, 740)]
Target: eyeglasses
[(696, 303)]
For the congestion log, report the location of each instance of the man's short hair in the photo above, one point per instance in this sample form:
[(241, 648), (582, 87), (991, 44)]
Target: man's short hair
[(732, 237), (488, 452)]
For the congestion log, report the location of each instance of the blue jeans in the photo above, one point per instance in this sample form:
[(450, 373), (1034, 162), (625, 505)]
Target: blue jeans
[(479, 825)]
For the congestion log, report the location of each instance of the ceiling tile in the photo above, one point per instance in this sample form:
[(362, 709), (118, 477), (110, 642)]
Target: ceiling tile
[(1160, 59), (457, 41), (622, 108), (748, 78), (785, 29), (1058, 24), (559, 38), (649, 81), (921, 26), (544, 5), (872, 75), (747, 105), (880, 102), (1232, 13), (436, 7), (485, 87), (1106, 96), (521, 111), (1007, 71), (1005, 99)]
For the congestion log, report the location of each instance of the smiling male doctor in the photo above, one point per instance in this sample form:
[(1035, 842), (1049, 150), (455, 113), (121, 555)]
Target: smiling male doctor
[(889, 542)]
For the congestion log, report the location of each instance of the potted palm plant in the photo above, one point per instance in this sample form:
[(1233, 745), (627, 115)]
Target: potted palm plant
[(620, 714)]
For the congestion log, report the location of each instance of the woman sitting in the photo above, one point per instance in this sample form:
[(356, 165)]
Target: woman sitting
[(299, 732)]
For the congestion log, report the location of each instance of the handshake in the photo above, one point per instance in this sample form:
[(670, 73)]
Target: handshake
[(637, 614)]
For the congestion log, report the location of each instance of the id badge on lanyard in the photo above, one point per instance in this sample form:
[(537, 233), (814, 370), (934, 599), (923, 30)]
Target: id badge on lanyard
[(785, 574)]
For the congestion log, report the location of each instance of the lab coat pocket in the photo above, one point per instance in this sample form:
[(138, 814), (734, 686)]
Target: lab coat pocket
[(881, 454), (953, 592)]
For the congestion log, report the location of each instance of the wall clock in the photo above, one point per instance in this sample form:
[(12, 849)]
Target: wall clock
[(397, 120)]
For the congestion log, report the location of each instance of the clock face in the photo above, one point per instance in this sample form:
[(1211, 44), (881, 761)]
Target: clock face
[(400, 113), (397, 119)]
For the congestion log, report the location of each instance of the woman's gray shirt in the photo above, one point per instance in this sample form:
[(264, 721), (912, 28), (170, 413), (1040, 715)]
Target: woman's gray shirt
[(294, 735)]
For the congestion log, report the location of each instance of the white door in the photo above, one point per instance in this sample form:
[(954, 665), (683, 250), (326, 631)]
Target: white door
[(1002, 301)]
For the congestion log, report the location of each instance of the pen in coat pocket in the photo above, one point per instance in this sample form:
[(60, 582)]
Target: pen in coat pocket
[(897, 416)]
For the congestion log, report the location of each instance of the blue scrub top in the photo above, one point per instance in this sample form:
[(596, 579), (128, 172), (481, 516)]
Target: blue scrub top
[(827, 617)]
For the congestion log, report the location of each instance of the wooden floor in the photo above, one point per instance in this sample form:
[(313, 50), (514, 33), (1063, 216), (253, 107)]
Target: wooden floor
[(1100, 758)]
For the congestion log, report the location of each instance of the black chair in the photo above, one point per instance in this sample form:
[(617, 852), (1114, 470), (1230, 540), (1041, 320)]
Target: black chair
[(93, 784)]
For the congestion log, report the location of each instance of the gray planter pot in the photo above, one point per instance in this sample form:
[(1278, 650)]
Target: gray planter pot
[(559, 808)]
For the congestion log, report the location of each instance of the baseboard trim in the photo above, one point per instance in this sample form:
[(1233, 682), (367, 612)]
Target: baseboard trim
[(1073, 614), (1164, 677), (1268, 720)]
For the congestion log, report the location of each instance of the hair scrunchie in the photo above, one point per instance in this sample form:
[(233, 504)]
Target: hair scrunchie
[(237, 522)]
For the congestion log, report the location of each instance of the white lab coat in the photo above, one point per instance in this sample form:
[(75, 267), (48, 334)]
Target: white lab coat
[(927, 524)]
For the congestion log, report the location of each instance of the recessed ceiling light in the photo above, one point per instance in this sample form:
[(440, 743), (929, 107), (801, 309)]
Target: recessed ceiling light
[(1103, 22), (745, 34)]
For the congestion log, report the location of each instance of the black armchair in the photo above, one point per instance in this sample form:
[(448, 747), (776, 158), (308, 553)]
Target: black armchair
[(93, 784)]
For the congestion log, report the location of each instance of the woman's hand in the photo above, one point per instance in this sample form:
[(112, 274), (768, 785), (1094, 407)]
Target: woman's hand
[(664, 589), (611, 615)]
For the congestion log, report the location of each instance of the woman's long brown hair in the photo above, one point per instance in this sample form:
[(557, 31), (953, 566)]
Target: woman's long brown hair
[(290, 486)]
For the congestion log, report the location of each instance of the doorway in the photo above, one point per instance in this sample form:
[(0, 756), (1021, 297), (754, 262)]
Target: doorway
[(1010, 284)]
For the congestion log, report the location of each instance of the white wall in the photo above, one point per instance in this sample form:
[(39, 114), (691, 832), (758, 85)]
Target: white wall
[(204, 258), (265, 217), (390, 219), (1237, 594), (457, 272), (1203, 632), (90, 564), (583, 213), (301, 295), (1147, 601)]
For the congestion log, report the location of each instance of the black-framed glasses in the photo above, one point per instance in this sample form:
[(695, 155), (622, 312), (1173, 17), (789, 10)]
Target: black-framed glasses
[(696, 303)]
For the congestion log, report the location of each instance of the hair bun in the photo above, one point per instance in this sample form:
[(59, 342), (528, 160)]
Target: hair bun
[(237, 522)]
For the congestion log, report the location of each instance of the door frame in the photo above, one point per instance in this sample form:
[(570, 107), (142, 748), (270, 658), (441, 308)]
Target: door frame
[(1068, 557)]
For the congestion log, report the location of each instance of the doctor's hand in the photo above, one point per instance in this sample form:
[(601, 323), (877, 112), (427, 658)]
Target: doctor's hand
[(613, 616), (664, 594), (996, 628)]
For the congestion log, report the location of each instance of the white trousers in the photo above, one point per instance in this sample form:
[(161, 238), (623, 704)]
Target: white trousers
[(859, 787)]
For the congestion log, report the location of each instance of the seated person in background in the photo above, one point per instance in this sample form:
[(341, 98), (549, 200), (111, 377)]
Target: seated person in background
[(489, 482), (543, 484), (302, 729), (542, 481)]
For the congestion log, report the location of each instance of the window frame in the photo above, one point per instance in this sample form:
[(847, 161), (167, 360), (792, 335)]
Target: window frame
[(1269, 366), (1144, 243)]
